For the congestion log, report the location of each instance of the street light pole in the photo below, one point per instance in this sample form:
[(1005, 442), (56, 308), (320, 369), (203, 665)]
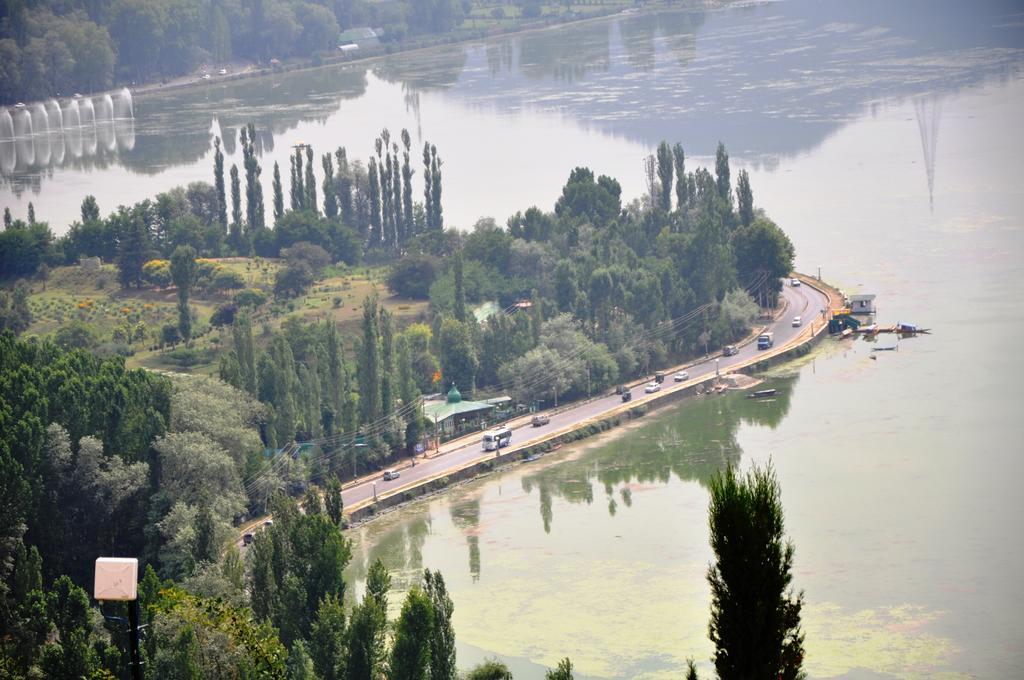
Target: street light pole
[(117, 579)]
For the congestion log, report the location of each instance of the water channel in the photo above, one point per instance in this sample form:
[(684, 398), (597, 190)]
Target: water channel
[(885, 138)]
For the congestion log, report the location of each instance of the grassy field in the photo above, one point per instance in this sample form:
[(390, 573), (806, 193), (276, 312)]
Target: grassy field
[(95, 299)]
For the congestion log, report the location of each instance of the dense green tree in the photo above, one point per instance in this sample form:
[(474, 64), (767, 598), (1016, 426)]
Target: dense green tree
[(442, 634), (744, 199), (218, 183), (369, 364), (183, 273), (666, 167), (489, 669), (764, 255), (722, 174), (582, 198), (412, 276), (327, 639), (460, 290), (563, 671), (278, 193), (236, 229), (134, 250), (15, 315), (755, 617), (410, 651), (333, 505), (309, 184), (457, 354), (679, 162)]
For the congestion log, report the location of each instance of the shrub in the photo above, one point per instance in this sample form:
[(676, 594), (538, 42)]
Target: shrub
[(224, 315), (250, 297)]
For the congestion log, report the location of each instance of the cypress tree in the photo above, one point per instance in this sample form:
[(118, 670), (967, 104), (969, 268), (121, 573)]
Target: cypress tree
[(278, 193), (755, 617), (218, 183), (31, 213)]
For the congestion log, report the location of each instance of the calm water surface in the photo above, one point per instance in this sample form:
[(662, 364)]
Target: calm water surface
[(885, 138)]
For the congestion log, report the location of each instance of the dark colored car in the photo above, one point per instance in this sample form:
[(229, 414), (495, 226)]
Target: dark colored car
[(627, 396), (246, 539), (730, 350)]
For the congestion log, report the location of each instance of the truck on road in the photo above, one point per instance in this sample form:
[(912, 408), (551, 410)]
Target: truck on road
[(765, 340)]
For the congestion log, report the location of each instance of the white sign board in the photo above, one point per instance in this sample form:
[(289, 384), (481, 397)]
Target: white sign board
[(117, 578)]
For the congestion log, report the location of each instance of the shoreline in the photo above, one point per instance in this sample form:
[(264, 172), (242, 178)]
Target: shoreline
[(253, 70), (621, 418)]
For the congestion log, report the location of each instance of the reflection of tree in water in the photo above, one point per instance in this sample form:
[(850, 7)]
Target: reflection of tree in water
[(692, 443), (466, 518), (567, 56), (500, 56), (400, 548), (678, 31), (438, 69), (175, 128)]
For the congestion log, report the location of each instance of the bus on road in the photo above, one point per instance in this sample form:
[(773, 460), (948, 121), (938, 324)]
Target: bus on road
[(496, 439)]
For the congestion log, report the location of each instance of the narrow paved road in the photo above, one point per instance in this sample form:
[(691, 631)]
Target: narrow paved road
[(803, 301)]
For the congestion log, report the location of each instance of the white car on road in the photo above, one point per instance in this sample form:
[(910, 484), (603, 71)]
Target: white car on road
[(797, 321), (652, 387), (681, 376)]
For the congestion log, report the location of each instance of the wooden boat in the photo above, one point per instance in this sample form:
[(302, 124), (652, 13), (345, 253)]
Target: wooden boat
[(761, 394), (885, 349)]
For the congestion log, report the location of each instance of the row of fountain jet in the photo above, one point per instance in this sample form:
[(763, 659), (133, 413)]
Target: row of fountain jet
[(45, 133)]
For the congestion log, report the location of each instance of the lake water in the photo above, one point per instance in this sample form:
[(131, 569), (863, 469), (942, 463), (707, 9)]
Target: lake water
[(885, 138)]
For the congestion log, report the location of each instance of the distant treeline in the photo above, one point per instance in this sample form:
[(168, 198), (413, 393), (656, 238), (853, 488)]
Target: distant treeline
[(51, 48)]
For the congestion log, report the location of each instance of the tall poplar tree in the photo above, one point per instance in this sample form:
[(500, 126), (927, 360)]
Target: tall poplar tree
[(330, 200), (387, 361), (278, 193), (410, 651), (679, 160), (218, 184), (435, 172), (369, 367), (297, 195), (665, 169), (245, 350), (183, 273), (236, 212), (722, 174), (755, 616), (375, 217), (396, 197), (407, 184), (428, 187), (310, 184), (744, 199), (460, 290), (442, 635)]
